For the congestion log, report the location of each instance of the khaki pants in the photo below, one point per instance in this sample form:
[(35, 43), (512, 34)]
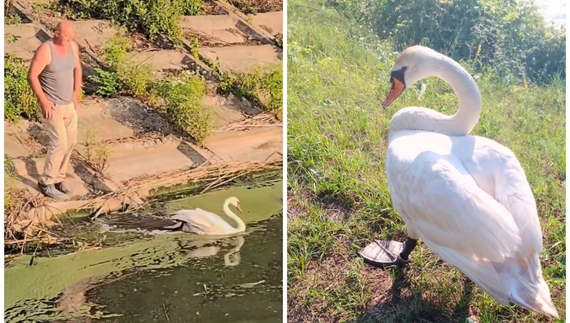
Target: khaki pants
[(62, 131)]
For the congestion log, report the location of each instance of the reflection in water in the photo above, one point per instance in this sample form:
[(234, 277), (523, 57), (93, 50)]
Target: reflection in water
[(200, 249)]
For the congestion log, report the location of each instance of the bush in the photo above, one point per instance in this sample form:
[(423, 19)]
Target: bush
[(19, 99), (123, 76), (151, 17), (183, 99), (263, 88), (181, 96), (511, 37)]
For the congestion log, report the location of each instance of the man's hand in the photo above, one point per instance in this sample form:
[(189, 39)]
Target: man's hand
[(75, 100), (47, 108)]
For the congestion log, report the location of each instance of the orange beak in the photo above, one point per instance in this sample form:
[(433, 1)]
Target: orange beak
[(238, 207), (395, 91)]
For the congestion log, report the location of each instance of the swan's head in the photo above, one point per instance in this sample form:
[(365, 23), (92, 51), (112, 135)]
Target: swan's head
[(413, 64), (235, 202)]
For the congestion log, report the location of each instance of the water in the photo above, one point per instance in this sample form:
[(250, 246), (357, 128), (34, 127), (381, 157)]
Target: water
[(179, 277), (235, 284)]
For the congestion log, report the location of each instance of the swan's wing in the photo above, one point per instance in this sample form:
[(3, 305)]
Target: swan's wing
[(510, 188), (201, 220), (442, 204)]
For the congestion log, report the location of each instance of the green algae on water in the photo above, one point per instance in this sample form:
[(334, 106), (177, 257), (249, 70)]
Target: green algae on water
[(49, 276), (257, 203)]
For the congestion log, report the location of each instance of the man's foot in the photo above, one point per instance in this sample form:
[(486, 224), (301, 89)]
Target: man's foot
[(49, 191), (62, 188)]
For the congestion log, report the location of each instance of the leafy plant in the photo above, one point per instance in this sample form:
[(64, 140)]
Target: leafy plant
[(264, 88), (152, 17), (512, 38), (183, 96), (179, 98), (108, 83), (195, 43), (19, 99), (122, 75)]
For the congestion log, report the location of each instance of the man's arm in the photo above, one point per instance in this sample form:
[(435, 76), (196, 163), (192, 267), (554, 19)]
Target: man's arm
[(39, 62), (77, 72)]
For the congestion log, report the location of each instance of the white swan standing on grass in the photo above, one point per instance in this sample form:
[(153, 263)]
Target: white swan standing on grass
[(466, 197), (207, 223)]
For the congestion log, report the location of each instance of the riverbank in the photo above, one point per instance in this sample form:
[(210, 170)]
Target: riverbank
[(129, 145)]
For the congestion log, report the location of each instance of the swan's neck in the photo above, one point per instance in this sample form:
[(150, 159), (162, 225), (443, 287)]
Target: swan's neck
[(240, 225), (459, 124)]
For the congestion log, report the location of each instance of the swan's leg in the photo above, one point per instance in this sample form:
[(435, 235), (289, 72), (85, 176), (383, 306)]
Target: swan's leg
[(388, 254), (409, 245)]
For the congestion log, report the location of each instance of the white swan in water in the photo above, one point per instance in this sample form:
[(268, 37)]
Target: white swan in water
[(203, 222), (466, 197)]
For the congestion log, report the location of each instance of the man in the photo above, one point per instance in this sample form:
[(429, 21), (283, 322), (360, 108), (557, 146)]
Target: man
[(55, 78)]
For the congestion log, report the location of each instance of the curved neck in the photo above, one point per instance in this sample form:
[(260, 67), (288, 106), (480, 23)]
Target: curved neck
[(459, 124), (233, 216)]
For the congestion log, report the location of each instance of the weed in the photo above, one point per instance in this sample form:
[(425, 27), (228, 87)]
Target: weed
[(339, 200), (10, 179), (183, 99), (192, 7), (13, 20), (123, 75), (10, 38), (263, 88), (108, 83), (19, 99), (178, 98), (11, 16), (152, 18), (195, 46), (279, 40), (96, 153), (257, 6)]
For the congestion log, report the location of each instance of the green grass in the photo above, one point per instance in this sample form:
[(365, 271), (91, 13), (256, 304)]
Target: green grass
[(338, 75)]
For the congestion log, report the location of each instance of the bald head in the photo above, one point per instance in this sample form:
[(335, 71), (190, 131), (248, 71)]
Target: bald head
[(64, 33)]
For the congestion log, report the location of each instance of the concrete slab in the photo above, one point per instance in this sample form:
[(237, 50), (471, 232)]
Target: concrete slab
[(117, 118), (18, 141), (258, 144), (14, 147), (222, 29), (164, 60), (92, 34), (227, 110), (30, 169), (23, 40), (272, 22), (98, 117), (127, 162), (242, 59)]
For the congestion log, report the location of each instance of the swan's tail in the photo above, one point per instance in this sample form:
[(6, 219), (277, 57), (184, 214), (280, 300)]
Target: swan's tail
[(528, 289), (536, 298)]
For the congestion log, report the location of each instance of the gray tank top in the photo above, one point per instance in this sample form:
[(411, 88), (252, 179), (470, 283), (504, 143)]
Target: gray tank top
[(57, 77)]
